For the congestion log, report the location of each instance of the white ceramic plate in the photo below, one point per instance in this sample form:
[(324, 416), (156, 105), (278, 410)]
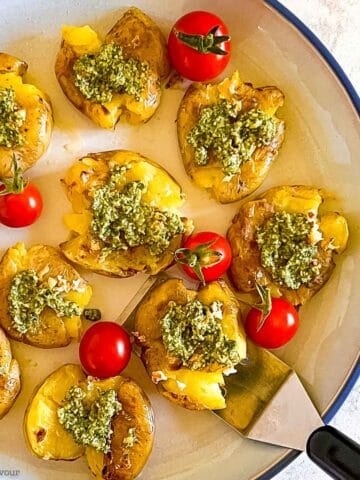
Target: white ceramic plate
[(320, 148)]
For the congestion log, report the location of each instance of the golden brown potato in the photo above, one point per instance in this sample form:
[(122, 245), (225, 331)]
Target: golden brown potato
[(246, 268), (140, 39), (37, 127), (47, 262), (92, 172), (193, 389), (253, 172), (9, 376), (48, 440)]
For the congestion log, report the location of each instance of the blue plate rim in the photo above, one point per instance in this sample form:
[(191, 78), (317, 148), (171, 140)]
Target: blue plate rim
[(355, 100)]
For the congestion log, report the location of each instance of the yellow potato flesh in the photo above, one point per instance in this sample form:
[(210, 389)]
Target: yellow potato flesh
[(95, 460), (82, 39), (24, 92), (335, 230), (206, 177), (46, 436), (74, 324), (78, 222), (203, 387), (303, 200)]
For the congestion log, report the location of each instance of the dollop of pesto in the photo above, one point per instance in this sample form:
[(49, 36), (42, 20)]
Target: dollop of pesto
[(193, 333), (28, 298), (98, 76), (122, 220), (230, 134), (12, 117), (89, 424), (286, 251)]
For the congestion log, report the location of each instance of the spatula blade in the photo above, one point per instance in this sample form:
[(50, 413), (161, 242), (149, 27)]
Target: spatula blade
[(289, 418)]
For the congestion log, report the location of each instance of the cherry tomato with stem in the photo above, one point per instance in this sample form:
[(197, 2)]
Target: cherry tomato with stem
[(273, 322), (20, 202), (199, 46), (105, 349), (205, 256)]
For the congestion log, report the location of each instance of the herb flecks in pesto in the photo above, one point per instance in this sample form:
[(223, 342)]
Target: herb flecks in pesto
[(89, 424), (98, 76), (130, 439), (12, 117), (230, 135), (286, 251), (193, 333), (28, 298), (122, 220)]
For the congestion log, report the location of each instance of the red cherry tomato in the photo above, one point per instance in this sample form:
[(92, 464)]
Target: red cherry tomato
[(199, 46), (205, 256), (278, 328), (105, 349), (20, 209)]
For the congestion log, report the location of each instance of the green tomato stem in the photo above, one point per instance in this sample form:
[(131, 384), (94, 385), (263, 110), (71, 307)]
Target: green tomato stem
[(264, 306), (16, 184), (198, 258), (204, 43)]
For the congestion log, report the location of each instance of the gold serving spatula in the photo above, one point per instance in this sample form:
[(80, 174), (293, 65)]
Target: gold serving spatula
[(267, 402)]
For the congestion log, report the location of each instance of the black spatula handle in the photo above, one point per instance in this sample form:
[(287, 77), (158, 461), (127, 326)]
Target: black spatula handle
[(335, 453)]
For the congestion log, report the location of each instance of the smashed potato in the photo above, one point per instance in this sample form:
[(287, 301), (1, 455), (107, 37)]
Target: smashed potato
[(253, 171), (329, 232), (195, 389), (36, 113), (140, 39), (9, 376), (51, 268), (82, 181), (48, 440)]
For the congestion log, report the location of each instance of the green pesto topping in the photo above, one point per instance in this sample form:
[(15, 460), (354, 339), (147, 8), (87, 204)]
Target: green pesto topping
[(11, 119), (122, 220), (28, 298), (98, 76), (89, 424), (92, 314), (231, 135), (193, 333), (286, 251), (131, 438)]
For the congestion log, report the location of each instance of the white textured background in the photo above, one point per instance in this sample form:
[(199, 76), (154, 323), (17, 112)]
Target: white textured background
[(337, 24)]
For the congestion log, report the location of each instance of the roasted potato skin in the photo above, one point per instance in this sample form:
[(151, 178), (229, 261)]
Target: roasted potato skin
[(254, 171), (79, 248), (140, 39), (53, 331), (38, 124), (246, 268), (10, 383), (156, 359)]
